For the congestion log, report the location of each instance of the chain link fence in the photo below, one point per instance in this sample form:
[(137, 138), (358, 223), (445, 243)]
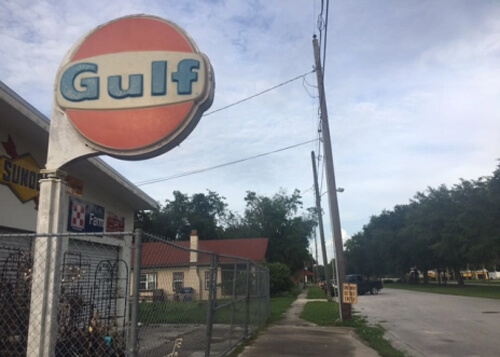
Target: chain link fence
[(196, 303), (75, 302), (77, 295)]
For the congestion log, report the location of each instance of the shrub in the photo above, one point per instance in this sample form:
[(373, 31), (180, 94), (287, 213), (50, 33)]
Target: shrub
[(279, 278)]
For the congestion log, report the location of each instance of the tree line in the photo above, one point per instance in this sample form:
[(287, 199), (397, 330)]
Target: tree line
[(279, 218), (444, 228)]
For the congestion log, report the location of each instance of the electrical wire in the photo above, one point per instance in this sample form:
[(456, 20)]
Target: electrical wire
[(304, 82), (258, 94), (306, 190), (303, 76), (320, 140), (309, 84), (148, 182), (322, 25), (326, 36), (322, 176)]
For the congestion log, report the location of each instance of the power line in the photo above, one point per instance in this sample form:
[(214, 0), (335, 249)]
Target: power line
[(321, 22), (148, 182), (326, 36), (258, 94), (323, 25), (304, 82)]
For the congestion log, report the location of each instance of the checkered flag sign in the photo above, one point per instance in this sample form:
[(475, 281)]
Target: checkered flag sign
[(78, 216)]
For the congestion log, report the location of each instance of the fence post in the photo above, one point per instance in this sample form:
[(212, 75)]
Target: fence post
[(268, 293), (211, 304), (233, 302), (134, 309), (247, 305)]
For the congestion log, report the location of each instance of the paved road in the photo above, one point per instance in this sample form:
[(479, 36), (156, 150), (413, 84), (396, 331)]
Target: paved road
[(434, 325)]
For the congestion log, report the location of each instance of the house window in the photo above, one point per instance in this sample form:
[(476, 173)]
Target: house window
[(148, 281), (178, 281), (208, 277)]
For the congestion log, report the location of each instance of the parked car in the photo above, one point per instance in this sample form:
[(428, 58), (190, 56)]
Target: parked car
[(364, 285)]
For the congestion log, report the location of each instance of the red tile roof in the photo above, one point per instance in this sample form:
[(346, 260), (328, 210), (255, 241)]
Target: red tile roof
[(177, 253)]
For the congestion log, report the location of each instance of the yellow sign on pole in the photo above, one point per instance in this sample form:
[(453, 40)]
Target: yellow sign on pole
[(350, 294)]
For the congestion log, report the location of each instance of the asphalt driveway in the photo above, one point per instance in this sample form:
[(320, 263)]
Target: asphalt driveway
[(435, 325)]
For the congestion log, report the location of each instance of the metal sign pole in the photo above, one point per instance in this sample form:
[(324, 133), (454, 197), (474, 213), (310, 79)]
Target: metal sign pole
[(46, 279), (79, 106), (134, 311)]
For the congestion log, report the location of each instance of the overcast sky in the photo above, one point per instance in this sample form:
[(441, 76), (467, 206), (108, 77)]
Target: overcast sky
[(413, 93)]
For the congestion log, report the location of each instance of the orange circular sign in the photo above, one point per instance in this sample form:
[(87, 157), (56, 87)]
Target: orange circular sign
[(135, 87)]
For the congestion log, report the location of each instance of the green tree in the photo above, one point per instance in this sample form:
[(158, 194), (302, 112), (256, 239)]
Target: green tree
[(441, 228), (205, 213), (148, 220), (277, 219), (493, 187), (382, 248)]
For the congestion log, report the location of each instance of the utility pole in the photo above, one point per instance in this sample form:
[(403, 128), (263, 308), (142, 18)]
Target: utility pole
[(321, 231), (345, 309), (316, 255)]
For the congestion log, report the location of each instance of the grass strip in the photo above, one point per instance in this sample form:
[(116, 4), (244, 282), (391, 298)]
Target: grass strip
[(315, 292), (325, 313), (280, 305), (479, 291), (322, 313), (374, 336)]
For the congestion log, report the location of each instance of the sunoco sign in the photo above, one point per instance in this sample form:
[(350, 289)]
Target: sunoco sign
[(21, 173)]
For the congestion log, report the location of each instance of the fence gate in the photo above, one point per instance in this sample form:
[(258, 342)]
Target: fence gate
[(93, 308), (111, 300)]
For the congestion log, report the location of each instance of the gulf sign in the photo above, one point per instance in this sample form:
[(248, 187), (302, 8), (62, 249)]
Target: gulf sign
[(135, 87)]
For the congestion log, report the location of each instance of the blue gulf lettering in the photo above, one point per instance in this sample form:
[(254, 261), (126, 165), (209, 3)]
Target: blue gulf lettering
[(159, 78), (91, 84), (185, 76), (116, 90)]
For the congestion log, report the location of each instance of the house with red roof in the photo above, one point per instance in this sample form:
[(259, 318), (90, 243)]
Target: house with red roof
[(181, 270)]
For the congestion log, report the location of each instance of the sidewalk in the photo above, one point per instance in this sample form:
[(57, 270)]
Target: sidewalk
[(296, 337)]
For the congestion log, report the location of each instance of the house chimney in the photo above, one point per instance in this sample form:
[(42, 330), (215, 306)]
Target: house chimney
[(193, 245)]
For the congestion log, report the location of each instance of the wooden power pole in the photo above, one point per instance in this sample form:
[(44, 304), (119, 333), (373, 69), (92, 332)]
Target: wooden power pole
[(345, 309), (321, 231)]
